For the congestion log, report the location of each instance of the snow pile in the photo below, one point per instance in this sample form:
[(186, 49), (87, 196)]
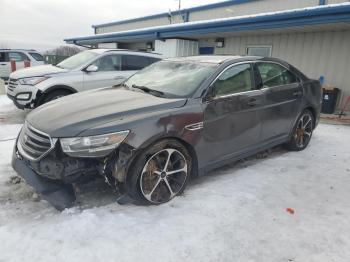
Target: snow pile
[(236, 213)]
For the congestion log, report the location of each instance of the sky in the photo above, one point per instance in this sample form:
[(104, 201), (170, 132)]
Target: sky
[(43, 24)]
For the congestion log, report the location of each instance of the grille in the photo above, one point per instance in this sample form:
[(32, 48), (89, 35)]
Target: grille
[(34, 144), (12, 84)]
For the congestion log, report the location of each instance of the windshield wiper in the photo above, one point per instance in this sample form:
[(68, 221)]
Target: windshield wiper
[(148, 90)]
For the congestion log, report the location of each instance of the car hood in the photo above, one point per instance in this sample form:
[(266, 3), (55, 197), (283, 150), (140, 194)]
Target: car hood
[(69, 116), (41, 70)]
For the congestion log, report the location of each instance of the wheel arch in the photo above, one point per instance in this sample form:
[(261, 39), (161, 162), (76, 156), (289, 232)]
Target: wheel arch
[(51, 89), (313, 112), (149, 143), (60, 87)]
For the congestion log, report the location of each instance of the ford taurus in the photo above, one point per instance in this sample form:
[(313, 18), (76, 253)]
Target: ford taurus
[(175, 119)]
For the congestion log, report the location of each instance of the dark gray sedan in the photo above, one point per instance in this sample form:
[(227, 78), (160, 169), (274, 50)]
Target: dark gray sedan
[(174, 119)]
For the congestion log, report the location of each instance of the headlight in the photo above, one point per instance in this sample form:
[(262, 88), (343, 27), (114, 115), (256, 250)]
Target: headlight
[(92, 146), (32, 80)]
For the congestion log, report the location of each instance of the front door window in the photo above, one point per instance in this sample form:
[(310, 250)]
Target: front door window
[(234, 80)]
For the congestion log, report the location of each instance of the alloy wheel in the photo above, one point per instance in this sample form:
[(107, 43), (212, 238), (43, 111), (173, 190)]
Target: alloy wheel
[(163, 176), (303, 131)]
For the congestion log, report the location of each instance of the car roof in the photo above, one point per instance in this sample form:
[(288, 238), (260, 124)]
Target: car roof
[(213, 59), (18, 49), (105, 50)]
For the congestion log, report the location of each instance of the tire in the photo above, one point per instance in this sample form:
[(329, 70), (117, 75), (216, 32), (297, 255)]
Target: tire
[(55, 95), (302, 132), (160, 184)]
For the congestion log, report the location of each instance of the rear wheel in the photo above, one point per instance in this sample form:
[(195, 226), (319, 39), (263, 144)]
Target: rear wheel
[(302, 132), (55, 95), (160, 173)]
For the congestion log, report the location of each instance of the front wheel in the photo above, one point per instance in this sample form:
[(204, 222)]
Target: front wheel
[(302, 132), (160, 173)]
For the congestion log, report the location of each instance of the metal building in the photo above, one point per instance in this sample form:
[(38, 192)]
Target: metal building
[(313, 35)]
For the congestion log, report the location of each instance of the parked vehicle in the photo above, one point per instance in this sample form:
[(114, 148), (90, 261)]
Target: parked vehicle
[(19, 55), (87, 70), (172, 120)]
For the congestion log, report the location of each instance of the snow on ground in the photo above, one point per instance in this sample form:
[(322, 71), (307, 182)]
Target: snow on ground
[(236, 213)]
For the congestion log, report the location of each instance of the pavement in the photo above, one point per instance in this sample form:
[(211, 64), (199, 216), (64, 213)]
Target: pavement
[(2, 87), (288, 206)]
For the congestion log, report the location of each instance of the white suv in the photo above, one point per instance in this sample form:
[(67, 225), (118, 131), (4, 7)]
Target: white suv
[(19, 55), (94, 68)]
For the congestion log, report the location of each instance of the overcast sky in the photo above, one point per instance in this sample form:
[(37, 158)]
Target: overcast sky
[(43, 24)]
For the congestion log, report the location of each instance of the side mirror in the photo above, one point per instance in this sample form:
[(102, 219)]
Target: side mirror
[(210, 94), (91, 68)]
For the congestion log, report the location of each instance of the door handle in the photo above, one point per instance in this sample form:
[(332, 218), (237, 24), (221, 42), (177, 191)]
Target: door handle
[(119, 77), (2, 64), (297, 93), (252, 102)]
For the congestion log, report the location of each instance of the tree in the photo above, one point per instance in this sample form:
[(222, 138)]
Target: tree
[(64, 51)]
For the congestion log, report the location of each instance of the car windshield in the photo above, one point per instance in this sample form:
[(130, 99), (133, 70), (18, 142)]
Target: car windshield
[(173, 79), (77, 60)]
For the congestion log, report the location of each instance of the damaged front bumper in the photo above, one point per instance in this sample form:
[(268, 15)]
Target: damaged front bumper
[(52, 176), (57, 193)]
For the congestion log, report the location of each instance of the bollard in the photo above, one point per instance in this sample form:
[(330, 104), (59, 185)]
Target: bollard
[(13, 65), (26, 63)]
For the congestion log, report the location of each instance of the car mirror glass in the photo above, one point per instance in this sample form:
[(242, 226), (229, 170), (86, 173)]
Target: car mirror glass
[(92, 68)]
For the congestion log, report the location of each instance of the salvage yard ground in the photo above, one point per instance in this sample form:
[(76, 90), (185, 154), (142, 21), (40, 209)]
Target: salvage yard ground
[(236, 213)]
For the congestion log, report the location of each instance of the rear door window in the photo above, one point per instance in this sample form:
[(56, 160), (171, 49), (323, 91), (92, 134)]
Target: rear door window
[(37, 56), (3, 57), (17, 56), (275, 75), (136, 62)]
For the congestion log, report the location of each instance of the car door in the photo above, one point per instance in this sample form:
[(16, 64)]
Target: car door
[(232, 122), (109, 72), (282, 95)]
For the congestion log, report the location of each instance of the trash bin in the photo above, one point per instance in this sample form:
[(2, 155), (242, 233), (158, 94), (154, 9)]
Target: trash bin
[(329, 100)]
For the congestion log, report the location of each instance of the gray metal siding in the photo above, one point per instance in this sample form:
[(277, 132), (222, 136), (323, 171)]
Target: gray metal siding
[(139, 24), (254, 7), (315, 54), (336, 1), (248, 8)]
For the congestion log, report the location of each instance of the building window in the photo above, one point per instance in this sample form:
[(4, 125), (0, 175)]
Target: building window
[(264, 51)]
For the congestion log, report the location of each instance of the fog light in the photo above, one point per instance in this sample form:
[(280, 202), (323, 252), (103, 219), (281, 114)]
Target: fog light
[(24, 96)]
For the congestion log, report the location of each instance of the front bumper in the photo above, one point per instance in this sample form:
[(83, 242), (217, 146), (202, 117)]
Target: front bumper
[(15, 92), (17, 104), (57, 193), (52, 176)]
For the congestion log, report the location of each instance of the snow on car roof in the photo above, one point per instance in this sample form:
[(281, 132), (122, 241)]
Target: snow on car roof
[(215, 59)]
